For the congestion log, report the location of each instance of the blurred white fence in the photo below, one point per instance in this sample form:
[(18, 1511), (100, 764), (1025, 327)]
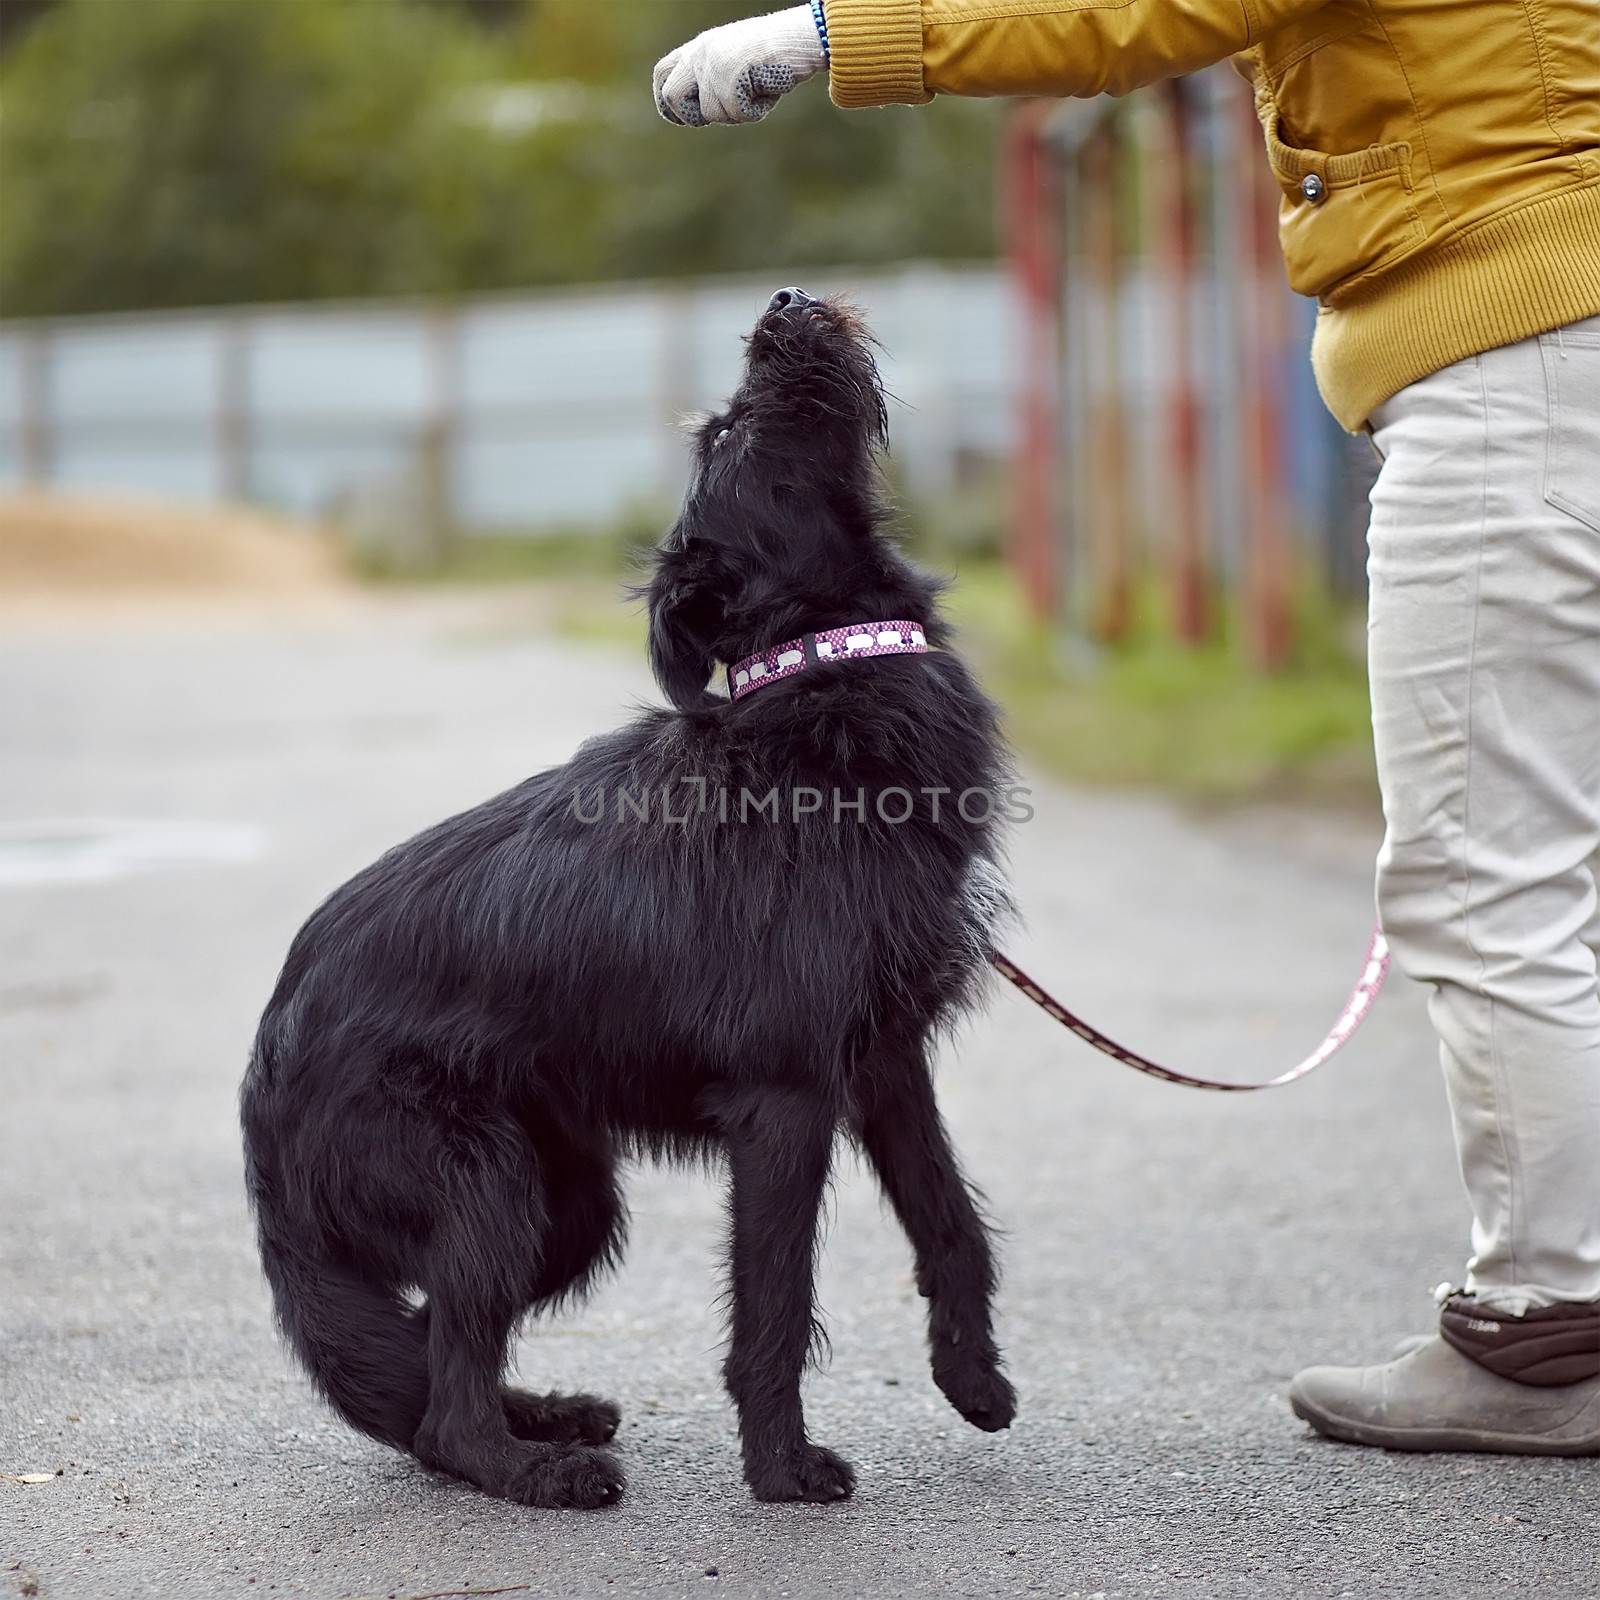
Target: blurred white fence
[(533, 412)]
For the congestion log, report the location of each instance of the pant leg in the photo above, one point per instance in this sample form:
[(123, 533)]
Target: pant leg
[(1591, 934), (1579, 420), (1484, 654)]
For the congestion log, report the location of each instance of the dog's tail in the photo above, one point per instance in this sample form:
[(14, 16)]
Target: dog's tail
[(365, 1348)]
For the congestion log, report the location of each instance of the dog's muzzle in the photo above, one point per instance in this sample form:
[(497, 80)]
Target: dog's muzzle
[(784, 299)]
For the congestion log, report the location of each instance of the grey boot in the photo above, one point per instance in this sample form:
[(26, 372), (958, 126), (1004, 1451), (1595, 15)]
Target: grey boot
[(1434, 1398)]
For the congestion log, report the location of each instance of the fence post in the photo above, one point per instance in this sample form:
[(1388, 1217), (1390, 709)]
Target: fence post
[(439, 509), (233, 439), (36, 436), (929, 461)]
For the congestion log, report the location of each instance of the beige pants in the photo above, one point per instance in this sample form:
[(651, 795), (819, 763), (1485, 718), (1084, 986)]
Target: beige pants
[(1484, 650)]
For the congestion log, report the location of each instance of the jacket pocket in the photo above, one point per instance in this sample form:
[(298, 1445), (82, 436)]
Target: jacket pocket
[(1342, 217), (1572, 452)]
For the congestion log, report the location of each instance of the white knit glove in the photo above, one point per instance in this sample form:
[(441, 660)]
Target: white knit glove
[(736, 73)]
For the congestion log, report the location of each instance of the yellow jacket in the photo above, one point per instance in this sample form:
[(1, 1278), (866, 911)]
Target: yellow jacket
[(1439, 159)]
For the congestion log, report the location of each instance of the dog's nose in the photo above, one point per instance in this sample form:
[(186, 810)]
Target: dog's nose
[(785, 298)]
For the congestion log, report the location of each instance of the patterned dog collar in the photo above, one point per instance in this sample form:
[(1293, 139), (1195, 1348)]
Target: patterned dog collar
[(855, 642)]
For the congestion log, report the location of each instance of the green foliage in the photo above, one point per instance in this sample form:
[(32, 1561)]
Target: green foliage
[(1203, 723), (182, 152)]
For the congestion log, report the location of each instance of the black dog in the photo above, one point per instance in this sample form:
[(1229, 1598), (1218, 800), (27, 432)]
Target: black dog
[(646, 952)]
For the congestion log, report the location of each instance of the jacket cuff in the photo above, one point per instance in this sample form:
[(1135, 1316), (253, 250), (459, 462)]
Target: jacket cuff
[(875, 53)]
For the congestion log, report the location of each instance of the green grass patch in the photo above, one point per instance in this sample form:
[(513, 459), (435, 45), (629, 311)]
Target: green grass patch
[(481, 559), (598, 612), (1203, 723)]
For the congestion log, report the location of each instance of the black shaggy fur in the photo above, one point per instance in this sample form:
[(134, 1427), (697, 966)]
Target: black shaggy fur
[(468, 1036)]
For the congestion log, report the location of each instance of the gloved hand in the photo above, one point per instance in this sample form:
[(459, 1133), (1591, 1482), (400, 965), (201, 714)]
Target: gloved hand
[(736, 73)]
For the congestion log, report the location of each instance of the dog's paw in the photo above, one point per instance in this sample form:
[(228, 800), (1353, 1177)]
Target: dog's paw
[(978, 1389), (573, 1477), (560, 1418), (809, 1473)]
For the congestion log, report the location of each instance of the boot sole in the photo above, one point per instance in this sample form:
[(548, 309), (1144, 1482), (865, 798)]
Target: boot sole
[(1424, 1439)]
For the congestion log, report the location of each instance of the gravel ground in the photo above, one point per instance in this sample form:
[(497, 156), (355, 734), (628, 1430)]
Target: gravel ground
[(1171, 1257)]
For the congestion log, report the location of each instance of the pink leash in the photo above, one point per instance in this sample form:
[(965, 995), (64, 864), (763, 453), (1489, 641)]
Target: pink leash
[(862, 641), (1374, 971)]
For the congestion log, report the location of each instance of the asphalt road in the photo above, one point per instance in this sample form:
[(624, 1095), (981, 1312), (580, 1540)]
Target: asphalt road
[(1171, 1259)]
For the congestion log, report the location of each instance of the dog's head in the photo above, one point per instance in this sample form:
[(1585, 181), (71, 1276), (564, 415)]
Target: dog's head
[(780, 528)]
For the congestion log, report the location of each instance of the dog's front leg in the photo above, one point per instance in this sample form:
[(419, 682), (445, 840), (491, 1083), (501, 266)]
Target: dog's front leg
[(779, 1147), (904, 1139)]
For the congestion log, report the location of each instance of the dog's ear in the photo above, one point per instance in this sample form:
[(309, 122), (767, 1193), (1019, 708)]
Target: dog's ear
[(686, 598)]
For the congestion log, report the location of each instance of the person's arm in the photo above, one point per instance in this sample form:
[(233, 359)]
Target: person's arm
[(887, 52), (903, 52)]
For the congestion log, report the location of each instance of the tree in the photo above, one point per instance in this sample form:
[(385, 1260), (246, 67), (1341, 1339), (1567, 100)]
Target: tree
[(190, 152), (178, 152)]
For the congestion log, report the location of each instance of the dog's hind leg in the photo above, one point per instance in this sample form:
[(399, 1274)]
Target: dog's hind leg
[(905, 1141), (780, 1145), (491, 1237), (586, 1225)]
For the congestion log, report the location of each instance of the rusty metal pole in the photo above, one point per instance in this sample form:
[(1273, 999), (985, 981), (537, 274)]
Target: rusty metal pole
[(1267, 565), (1224, 392), (1111, 612), (1077, 410), (1190, 577), (1030, 195)]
